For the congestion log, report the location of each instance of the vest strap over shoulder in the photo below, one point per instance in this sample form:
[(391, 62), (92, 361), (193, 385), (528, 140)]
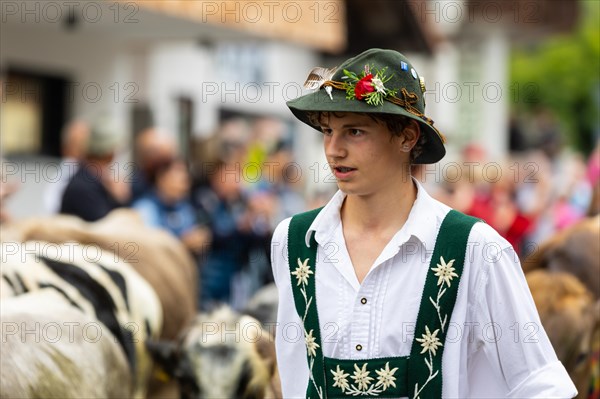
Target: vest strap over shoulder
[(437, 304), (302, 262)]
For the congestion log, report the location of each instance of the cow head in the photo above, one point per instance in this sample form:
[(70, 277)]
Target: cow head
[(220, 355)]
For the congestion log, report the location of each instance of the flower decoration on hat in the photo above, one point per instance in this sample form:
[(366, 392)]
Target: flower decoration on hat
[(368, 86)]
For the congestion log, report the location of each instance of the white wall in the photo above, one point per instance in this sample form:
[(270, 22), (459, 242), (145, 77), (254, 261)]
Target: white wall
[(186, 68), (99, 68)]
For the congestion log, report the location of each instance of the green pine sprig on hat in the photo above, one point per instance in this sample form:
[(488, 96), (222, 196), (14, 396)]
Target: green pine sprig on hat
[(368, 87)]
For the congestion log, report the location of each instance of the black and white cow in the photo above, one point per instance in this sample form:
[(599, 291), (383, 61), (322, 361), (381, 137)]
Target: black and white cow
[(85, 283), (51, 349), (222, 354), (243, 368)]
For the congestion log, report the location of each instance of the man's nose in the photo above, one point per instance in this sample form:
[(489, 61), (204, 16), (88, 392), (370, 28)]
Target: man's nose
[(334, 146)]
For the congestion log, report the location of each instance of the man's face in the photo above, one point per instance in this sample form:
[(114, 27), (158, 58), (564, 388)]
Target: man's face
[(363, 155)]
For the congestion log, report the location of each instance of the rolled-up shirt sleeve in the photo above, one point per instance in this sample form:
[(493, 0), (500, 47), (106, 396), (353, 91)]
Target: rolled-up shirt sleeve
[(520, 361), (289, 334)]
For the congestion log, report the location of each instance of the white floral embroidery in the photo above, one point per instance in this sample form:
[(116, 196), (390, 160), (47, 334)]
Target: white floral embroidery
[(361, 377), (339, 378), (364, 384), (302, 272), (386, 376), (429, 341), (444, 271), (311, 345)]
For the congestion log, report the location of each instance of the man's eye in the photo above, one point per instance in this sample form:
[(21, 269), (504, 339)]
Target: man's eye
[(326, 132), (356, 132)]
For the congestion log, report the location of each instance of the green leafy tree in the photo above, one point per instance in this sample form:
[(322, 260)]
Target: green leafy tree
[(562, 74)]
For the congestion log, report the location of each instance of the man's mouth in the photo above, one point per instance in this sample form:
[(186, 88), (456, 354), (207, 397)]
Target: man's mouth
[(343, 169)]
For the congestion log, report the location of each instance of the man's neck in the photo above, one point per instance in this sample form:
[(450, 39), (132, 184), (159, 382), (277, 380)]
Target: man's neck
[(382, 213)]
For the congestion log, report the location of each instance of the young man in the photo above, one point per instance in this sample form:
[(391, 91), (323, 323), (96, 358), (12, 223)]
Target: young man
[(386, 292)]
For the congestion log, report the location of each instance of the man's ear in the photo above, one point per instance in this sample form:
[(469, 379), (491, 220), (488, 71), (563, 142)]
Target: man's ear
[(411, 134)]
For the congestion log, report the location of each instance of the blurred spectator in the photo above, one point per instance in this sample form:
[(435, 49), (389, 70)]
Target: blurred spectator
[(505, 215), (265, 135), (96, 189), (236, 231), (488, 191), (550, 139), (282, 179), (74, 142), (516, 137), (167, 204), (573, 192), (152, 147)]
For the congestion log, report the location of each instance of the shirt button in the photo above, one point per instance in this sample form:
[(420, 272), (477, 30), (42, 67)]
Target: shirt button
[(363, 301), (359, 347)]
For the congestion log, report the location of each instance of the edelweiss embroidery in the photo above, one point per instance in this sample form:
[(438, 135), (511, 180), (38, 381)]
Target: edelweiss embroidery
[(445, 273), (302, 274), (364, 384), (311, 345), (339, 378), (386, 376), (429, 340)]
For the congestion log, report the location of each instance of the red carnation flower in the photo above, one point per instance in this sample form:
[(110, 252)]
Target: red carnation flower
[(364, 86)]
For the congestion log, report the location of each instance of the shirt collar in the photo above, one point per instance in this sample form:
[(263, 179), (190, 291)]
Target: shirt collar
[(421, 222)]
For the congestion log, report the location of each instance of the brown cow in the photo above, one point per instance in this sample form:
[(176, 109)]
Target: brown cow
[(575, 250), (571, 318)]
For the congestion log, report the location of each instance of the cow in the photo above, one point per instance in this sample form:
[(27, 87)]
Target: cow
[(156, 255), (571, 317), (94, 283), (263, 306), (51, 349), (564, 276), (221, 354), (159, 258), (574, 250)]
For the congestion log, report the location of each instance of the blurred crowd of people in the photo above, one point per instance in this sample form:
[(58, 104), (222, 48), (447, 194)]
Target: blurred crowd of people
[(542, 188), (224, 200), (223, 203)]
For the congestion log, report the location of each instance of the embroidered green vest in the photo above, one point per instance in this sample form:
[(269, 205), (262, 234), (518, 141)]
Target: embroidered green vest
[(416, 376)]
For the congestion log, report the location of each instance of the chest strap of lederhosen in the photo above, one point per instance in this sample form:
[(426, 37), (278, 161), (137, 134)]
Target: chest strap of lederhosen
[(423, 377), (437, 304), (302, 262)]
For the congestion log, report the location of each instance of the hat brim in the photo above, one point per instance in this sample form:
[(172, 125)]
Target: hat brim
[(433, 150)]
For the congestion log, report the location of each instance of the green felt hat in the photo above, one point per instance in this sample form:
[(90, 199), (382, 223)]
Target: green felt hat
[(375, 81)]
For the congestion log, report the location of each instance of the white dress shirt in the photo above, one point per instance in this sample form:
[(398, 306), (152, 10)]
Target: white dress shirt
[(496, 346)]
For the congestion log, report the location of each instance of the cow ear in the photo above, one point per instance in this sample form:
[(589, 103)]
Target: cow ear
[(165, 354)]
